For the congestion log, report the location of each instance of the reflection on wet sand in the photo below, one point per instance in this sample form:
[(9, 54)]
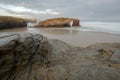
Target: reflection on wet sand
[(54, 31)]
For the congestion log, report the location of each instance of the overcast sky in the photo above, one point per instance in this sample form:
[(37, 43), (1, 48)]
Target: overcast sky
[(97, 10)]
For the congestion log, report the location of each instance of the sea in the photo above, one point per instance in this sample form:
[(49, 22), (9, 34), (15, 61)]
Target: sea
[(107, 27)]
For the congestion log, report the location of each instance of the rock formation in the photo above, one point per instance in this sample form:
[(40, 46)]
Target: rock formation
[(34, 57), (7, 22), (58, 22)]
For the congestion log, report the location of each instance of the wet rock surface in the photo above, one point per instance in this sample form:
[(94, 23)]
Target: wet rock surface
[(34, 57)]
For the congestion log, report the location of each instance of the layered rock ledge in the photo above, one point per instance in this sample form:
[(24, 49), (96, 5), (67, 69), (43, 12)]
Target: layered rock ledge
[(7, 22), (34, 57), (58, 22)]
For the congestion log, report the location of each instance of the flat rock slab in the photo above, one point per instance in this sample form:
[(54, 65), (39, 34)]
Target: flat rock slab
[(34, 57)]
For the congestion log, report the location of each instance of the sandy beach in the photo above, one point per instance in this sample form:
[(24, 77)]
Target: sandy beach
[(70, 36)]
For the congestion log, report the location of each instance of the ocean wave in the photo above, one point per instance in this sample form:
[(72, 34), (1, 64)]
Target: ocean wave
[(109, 27)]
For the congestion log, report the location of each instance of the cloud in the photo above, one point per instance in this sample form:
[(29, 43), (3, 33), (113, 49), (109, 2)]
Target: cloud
[(83, 9), (4, 12), (21, 9)]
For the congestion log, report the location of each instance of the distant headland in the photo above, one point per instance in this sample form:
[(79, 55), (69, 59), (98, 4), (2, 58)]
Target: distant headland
[(7, 22)]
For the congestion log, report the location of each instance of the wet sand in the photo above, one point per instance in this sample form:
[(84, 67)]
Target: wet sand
[(71, 36)]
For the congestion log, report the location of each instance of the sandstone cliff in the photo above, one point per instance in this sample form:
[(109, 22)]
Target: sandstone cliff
[(34, 57), (58, 22), (11, 22)]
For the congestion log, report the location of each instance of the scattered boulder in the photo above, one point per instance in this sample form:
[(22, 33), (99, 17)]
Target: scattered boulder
[(34, 57), (7, 22), (58, 22)]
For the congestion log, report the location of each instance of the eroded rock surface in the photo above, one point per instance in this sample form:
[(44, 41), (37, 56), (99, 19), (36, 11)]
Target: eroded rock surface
[(20, 57), (58, 22), (33, 57)]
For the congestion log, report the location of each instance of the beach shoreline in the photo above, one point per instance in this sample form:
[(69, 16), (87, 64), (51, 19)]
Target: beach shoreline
[(73, 37)]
